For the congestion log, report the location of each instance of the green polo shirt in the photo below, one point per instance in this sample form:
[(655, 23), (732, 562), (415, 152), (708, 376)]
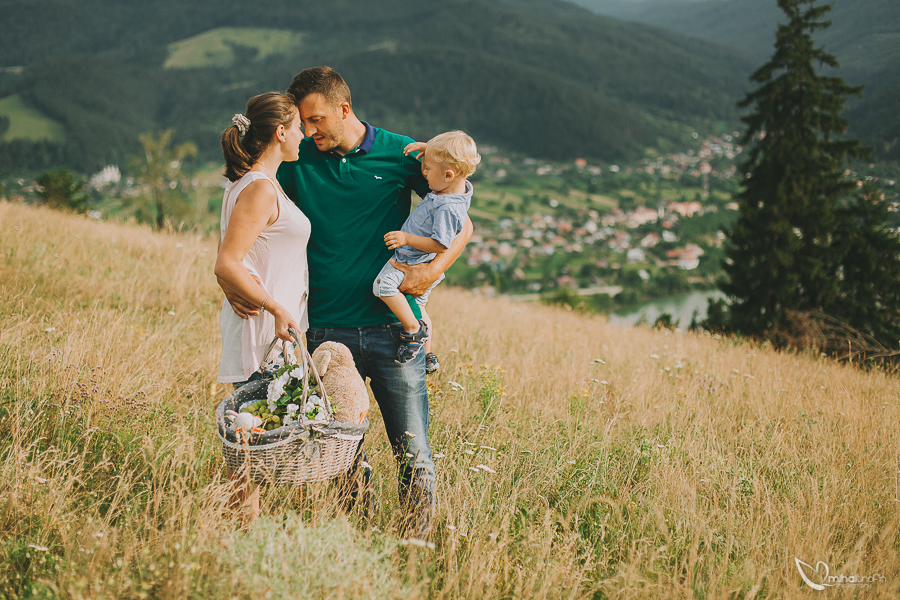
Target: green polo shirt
[(352, 201)]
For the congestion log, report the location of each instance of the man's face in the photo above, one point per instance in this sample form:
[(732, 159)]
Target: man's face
[(323, 122)]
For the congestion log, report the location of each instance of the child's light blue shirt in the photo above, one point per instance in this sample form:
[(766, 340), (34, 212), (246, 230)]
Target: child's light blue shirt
[(440, 217)]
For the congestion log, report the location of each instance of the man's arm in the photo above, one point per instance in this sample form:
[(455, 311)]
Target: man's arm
[(420, 277)]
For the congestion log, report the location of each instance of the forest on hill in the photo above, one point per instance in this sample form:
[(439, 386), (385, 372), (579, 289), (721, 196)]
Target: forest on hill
[(549, 80), (864, 36)]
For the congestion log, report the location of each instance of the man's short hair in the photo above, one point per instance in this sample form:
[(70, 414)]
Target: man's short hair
[(455, 149), (320, 80)]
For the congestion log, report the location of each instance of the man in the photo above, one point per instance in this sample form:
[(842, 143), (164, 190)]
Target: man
[(353, 182)]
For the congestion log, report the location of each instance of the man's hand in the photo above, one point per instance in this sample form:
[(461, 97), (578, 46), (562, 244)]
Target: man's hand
[(239, 305), (395, 239), (418, 147), (418, 277)]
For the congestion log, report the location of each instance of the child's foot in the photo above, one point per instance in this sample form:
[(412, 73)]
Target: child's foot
[(431, 363), (411, 344)]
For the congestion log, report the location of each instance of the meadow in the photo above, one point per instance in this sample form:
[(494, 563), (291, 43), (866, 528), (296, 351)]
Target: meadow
[(216, 47), (575, 459), (26, 123)]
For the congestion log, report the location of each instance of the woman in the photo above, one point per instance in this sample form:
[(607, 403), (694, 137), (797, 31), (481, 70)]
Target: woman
[(263, 253)]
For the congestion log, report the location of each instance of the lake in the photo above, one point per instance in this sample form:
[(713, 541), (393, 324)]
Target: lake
[(681, 308)]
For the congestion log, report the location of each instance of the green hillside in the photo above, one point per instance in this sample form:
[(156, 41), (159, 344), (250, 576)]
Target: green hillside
[(222, 47), (25, 123), (864, 36), (547, 79)]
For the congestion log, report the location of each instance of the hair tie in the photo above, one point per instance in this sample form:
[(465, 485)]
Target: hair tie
[(241, 122)]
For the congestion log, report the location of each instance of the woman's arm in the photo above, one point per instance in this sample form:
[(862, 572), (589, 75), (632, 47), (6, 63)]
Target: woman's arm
[(255, 209)]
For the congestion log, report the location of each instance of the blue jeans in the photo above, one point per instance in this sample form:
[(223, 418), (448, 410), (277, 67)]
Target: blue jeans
[(400, 392)]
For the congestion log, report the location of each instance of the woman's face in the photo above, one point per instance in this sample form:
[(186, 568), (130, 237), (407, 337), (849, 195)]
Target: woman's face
[(293, 135)]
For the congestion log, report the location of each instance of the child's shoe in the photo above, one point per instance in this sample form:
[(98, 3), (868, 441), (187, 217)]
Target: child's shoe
[(411, 344), (431, 363)]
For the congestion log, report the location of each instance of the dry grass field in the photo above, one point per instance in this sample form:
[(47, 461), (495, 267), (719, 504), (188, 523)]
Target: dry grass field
[(577, 459)]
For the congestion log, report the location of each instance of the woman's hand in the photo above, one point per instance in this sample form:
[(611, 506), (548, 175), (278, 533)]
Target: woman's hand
[(418, 147), (283, 322)]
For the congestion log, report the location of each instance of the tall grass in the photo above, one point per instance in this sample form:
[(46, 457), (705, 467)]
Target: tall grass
[(576, 459)]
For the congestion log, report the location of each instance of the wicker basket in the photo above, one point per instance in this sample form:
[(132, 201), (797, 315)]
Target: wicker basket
[(295, 454)]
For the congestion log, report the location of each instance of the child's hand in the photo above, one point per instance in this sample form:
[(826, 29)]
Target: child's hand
[(395, 239), (415, 147)]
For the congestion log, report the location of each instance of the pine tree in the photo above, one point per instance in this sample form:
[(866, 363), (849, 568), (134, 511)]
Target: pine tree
[(792, 249)]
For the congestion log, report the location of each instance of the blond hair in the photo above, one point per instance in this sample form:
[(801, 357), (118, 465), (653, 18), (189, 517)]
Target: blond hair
[(456, 150)]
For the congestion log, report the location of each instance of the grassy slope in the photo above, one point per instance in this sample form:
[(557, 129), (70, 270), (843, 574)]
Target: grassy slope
[(215, 48), (25, 123), (681, 466)]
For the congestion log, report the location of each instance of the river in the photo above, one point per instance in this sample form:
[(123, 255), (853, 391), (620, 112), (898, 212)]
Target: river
[(681, 308)]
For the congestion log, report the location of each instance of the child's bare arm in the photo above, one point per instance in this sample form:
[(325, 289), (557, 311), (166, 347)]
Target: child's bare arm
[(417, 147), (395, 239)]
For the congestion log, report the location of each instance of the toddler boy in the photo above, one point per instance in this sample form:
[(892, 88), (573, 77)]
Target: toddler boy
[(430, 229)]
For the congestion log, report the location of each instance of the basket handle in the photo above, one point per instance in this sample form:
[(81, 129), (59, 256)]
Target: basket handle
[(311, 367), (307, 362)]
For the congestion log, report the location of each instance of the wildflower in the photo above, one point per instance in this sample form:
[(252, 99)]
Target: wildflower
[(171, 313), (473, 469), (486, 469), (600, 360), (417, 542), (274, 392), (469, 452), (50, 330), (604, 382), (439, 455), (488, 448), (654, 356), (38, 548)]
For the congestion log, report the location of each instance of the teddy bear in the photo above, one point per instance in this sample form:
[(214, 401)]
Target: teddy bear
[(345, 388)]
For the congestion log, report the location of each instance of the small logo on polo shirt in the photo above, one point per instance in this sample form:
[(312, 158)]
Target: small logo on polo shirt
[(377, 177)]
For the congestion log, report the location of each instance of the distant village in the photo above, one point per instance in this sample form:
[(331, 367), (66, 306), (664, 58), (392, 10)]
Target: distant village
[(656, 225), (675, 233), (645, 235)]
